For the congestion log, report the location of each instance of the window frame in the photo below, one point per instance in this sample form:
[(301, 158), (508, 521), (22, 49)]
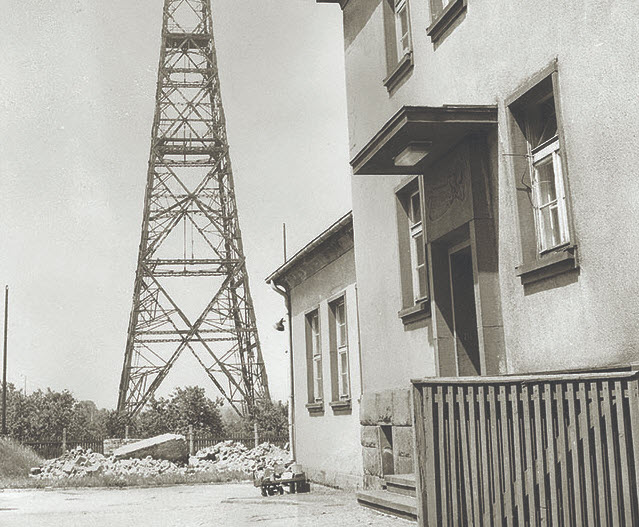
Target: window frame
[(343, 377), (402, 51), (314, 363), (540, 155), (399, 59), (443, 16), (539, 260), (416, 230), (415, 301)]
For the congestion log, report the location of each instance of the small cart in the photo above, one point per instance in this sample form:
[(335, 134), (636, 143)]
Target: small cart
[(273, 485)]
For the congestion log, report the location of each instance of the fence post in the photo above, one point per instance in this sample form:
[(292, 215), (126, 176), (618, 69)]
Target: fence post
[(256, 435), (191, 441), (64, 440), (126, 431)]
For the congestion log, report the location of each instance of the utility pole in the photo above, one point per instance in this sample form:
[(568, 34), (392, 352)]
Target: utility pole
[(4, 362)]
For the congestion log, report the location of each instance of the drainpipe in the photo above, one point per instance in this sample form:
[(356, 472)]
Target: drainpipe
[(291, 396)]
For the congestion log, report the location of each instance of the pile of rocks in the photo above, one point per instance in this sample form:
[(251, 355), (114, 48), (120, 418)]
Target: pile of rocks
[(222, 457), (232, 456), (79, 463)]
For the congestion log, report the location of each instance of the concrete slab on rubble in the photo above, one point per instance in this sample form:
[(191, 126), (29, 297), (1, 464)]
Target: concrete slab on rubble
[(171, 447), (236, 505)]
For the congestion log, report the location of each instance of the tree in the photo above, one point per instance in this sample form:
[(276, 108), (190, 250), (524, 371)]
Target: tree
[(183, 408), (271, 418), (39, 415)]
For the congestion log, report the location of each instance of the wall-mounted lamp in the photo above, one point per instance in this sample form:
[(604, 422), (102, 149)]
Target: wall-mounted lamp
[(412, 154), (279, 325)]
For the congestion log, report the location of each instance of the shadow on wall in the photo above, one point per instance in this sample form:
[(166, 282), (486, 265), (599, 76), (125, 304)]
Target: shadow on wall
[(359, 16), (553, 282)]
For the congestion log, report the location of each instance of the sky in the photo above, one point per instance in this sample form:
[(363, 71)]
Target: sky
[(77, 90)]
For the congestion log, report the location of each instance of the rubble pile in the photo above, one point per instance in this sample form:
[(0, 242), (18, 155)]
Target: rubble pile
[(230, 456), (222, 457), (79, 463)]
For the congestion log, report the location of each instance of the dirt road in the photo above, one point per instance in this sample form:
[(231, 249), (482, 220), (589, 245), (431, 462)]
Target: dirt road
[(185, 506)]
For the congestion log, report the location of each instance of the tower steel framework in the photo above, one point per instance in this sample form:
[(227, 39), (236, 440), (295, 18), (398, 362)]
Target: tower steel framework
[(191, 239)]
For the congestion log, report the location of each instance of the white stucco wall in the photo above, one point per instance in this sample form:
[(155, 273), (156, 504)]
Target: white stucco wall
[(328, 443), (499, 44)]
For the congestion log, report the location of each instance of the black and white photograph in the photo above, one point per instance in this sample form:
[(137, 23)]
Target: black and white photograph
[(317, 263)]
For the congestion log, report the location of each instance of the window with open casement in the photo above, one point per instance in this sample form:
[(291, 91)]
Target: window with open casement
[(548, 190), (538, 162)]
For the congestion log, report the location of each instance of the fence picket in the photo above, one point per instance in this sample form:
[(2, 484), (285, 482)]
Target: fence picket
[(608, 433), (485, 465), (533, 510), (508, 450), (517, 444), (584, 431), (595, 416), (624, 461)]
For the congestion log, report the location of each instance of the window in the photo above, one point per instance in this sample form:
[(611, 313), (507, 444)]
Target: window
[(412, 251), (443, 13), (549, 196), (314, 357), (339, 351), (399, 56), (402, 29), (540, 175), (417, 247)]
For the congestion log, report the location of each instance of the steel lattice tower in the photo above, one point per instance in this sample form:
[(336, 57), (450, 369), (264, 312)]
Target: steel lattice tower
[(190, 233)]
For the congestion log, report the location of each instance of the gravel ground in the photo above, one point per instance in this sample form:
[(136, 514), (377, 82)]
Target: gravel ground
[(229, 505)]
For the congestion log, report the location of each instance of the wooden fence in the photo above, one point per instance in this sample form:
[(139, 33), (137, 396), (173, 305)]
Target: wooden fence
[(556, 450), (247, 441), (52, 449)]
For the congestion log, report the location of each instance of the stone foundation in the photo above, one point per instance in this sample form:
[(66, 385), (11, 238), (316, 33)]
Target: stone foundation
[(386, 408)]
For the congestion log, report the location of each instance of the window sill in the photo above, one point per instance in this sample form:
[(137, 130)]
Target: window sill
[(420, 310), (315, 408), (444, 20), (549, 265), (340, 406), (402, 69)]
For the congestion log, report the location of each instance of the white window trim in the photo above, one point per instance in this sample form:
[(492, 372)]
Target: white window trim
[(343, 380), (416, 230), (401, 50), (316, 353), (538, 155)]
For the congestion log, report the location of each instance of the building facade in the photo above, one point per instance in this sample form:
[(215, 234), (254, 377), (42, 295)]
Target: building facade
[(494, 194), (320, 286)]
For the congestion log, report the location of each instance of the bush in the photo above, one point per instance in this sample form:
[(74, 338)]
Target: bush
[(15, 459)]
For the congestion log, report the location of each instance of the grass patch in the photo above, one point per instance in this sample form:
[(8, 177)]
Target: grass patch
[(16, 460), (130, 480)]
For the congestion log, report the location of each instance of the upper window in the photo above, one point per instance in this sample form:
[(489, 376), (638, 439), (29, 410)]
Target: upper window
[(540, 175), (314, 357), (549, 196), (443, 13), (412, 250), (402, 28), (399, 57)]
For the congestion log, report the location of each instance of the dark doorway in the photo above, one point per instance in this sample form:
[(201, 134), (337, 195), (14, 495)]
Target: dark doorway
[(386, 444), (462, 290)]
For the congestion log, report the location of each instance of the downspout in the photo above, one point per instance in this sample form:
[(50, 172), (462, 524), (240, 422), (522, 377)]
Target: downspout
[(291, 396)]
